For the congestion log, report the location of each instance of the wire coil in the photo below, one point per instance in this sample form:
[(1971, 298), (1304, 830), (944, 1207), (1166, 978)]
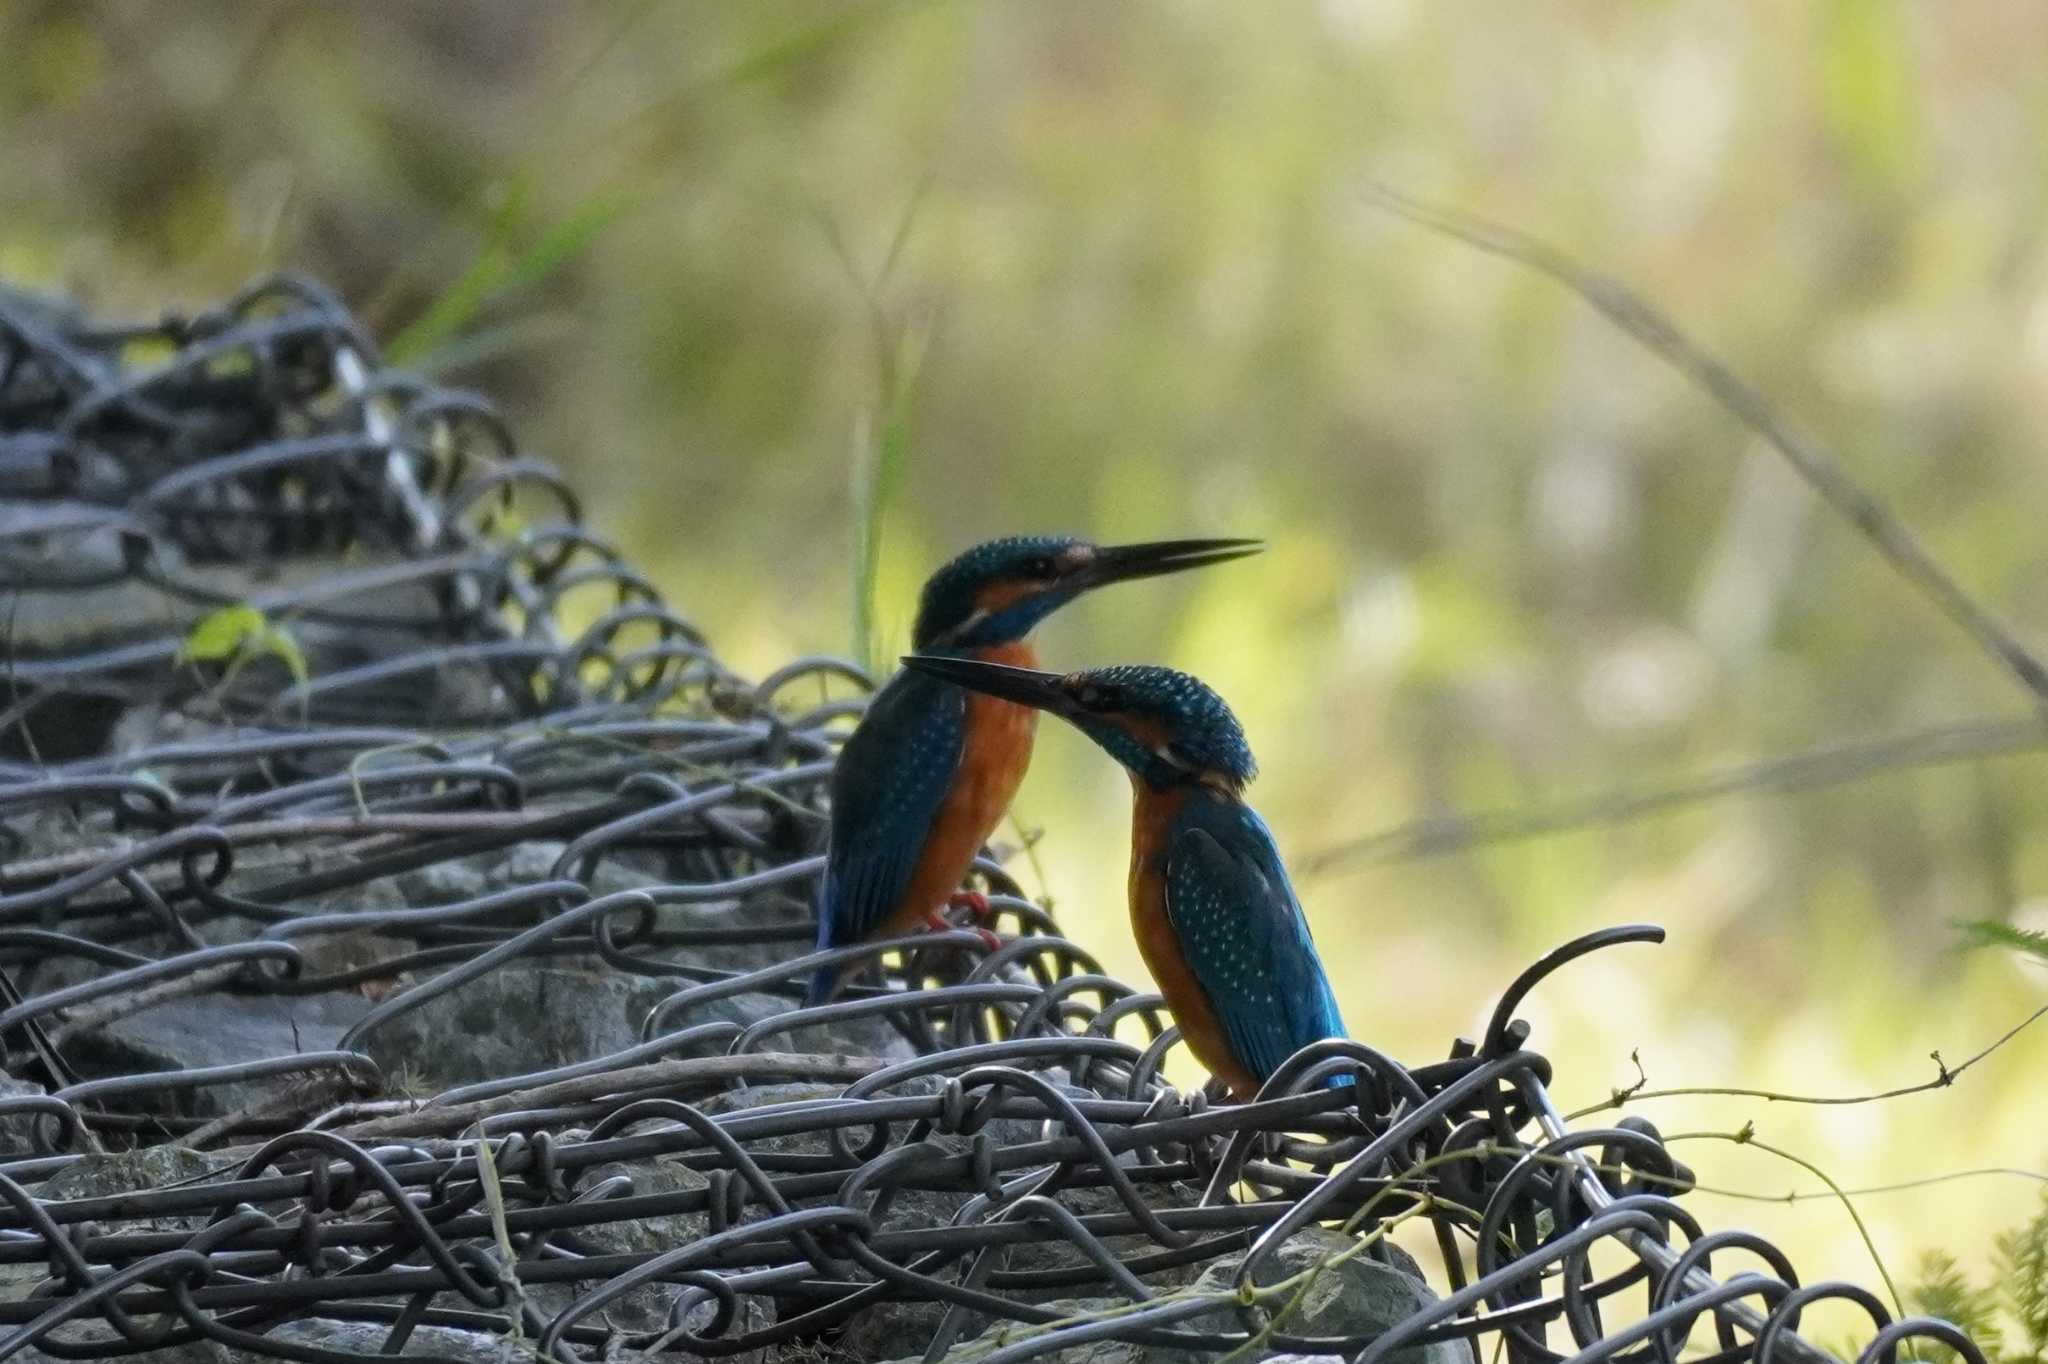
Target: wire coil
[(454, 791)]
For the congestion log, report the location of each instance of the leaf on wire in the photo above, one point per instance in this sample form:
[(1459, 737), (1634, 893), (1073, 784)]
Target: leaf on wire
[(218, 636), (239, 634)]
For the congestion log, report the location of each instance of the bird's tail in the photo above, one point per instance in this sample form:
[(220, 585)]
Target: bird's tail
[(824, 984)]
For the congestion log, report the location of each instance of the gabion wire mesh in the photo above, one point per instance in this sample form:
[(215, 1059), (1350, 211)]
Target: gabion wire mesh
[(440, 823)]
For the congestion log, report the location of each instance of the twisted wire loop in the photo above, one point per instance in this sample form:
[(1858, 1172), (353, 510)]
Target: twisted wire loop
[(403, 918)]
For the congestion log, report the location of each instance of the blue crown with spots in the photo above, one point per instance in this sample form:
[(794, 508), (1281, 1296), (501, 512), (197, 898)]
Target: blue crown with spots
[(1201, 733), (947, 612)]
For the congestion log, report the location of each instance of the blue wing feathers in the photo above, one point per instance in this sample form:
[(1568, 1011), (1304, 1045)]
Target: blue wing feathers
[(1244, 935), (887, 786)]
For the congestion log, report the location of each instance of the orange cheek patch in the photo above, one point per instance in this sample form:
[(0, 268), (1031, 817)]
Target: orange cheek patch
[(997, 596), (1018, 653), (1148, 730)]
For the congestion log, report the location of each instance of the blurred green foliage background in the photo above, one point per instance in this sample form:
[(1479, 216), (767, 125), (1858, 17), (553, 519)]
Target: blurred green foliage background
[(793, 287)]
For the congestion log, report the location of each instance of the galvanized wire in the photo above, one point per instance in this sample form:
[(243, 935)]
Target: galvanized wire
[(969, 1137)]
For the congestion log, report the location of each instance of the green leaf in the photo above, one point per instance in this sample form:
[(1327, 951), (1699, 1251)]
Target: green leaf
[(1992, 933), (238, 634), (1867, 89), (878, 479), (2022, 1257), (1942, 1290), (219, 635), (883, 447), (565, 241), (280, 644), (497, 272), (449, 313), (529, 331)]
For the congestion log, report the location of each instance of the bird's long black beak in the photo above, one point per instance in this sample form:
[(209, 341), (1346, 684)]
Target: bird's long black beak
[(1025, 686), (1121, 563)]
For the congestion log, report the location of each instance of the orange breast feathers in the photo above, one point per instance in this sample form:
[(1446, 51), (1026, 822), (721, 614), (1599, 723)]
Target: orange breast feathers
[(995, 751), (1152, 816)]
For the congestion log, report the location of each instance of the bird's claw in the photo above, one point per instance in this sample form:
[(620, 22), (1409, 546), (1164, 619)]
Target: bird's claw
[(977, 906), (973, 901)]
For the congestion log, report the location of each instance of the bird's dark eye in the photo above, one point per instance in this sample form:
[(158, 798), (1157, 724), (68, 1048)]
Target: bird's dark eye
[(1096, 697), (1040, 566)]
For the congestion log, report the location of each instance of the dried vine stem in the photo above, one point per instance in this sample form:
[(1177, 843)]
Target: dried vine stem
[(1945, 1075), (701, 1071), (1627, 310), (1436, 835)]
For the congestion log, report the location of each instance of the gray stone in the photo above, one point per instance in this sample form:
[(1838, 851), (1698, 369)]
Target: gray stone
[(758, 912), (443, 883), (619, 871), (18, 1280), (117, 1172), (645, 1309), (354, 1337), (1358, 1297), (512, 1021), (890, 1329), (646, 1235), (334, 954), (218, 1029), (868, 1036), (912, 1337), (17, 1131), (528, 863), (367, 1338), (382, 893), (906, 1328), (768, 1096)]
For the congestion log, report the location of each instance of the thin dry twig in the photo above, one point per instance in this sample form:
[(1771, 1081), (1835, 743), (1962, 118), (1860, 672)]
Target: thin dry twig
[(1746, 1136), (494, 1203), (1627, 310), (86, 1017), (1791, 1196), (297, 1101), (1436, 835), (1945, 1075), (516, 824), (754, 1067)]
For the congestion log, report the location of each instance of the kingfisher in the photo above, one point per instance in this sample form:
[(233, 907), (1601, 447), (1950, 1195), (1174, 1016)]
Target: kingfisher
[(923, 781), (1216, 918)]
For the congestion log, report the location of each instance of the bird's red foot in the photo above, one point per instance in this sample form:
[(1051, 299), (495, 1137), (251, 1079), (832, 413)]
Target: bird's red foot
[(973, 901), (977, 906)]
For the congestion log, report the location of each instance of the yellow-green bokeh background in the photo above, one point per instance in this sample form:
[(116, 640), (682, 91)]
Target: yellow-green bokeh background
[(1514, 559)]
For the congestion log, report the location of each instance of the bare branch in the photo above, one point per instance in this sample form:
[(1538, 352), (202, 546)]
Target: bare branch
[(757, 1067), (1827, 477), (1944, 1076), (1436, 835)]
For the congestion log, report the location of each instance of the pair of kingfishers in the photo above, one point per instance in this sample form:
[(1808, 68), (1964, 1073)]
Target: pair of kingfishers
[(922, 782)]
